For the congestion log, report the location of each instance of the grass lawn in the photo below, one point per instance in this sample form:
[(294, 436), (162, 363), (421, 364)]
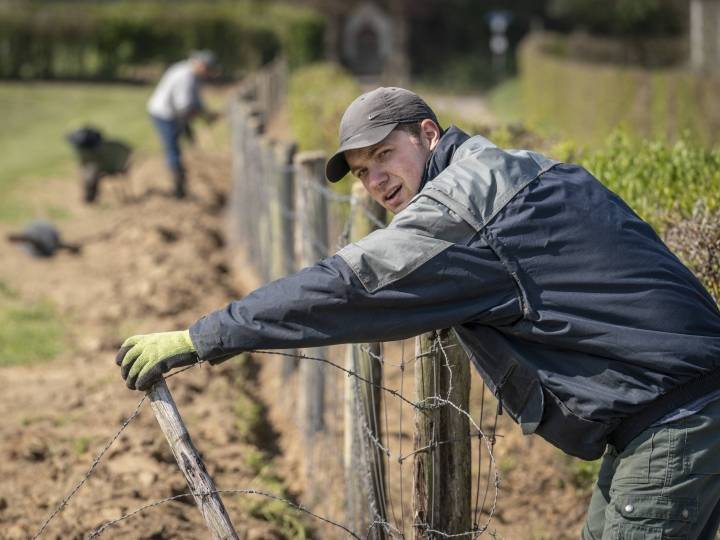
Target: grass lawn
[(28, 332), (35, 119)]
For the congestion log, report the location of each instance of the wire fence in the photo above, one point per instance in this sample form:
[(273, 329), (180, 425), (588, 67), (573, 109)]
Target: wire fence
[(390, 421), (283, 217)]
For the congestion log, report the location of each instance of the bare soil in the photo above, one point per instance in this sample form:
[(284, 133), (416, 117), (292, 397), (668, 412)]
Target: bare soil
[(149, 263), (153, 263)]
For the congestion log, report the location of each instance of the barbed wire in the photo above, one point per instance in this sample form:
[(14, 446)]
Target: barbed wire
[(100, 455), (90, 471), (262, 192), (437, 402), (250, 491)]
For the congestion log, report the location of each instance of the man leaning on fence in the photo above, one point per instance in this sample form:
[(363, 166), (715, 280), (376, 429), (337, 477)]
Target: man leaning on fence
[(175, 102), (589, 331)]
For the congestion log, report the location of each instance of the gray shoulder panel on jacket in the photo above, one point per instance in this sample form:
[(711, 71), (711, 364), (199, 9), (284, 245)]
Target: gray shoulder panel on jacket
[(416, 235), (482, 179), (450, 209)]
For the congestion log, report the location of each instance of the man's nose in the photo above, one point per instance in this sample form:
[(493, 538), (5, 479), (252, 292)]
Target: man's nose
[(377, 177)]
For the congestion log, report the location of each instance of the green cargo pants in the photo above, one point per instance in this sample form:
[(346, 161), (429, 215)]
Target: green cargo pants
[(664, 485)]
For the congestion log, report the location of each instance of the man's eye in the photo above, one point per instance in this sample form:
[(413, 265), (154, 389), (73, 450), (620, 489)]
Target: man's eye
[(384, 153)]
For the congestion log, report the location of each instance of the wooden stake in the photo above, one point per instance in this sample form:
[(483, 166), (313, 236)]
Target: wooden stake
[(199, 481), (442, 468), (364, 466)]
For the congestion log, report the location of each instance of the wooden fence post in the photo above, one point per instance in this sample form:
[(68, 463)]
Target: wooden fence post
[(442, 467), (311, 245), (364, 465), (199, 481), (254, 203), (283, 224)]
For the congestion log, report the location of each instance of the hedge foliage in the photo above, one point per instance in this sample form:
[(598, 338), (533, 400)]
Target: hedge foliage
[(623, 17), (318, 96), (587, 101), (659, 178), (107, 40), (675, 186)]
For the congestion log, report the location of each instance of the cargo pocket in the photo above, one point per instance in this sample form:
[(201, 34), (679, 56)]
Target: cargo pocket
[(649, 455), (664, 518)]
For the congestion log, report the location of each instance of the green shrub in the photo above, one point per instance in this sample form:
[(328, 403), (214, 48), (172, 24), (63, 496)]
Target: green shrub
[(586, 101), (87, 39), (637, 17), (662, 181), (318, 96)]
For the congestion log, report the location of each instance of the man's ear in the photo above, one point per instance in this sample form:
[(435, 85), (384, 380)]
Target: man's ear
[(430, 133)]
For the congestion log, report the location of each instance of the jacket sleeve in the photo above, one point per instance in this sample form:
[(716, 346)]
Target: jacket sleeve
[(328, 304)]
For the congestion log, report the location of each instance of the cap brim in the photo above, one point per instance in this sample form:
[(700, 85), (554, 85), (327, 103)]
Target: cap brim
[(336, 167)]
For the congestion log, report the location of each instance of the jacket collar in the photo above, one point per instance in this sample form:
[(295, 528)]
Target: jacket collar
[(441, 156)]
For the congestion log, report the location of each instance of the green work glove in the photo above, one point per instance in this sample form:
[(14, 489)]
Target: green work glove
[(143, 359)]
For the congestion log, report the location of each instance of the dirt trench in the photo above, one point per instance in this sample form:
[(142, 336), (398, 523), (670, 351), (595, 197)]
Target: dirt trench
[(149, 263)]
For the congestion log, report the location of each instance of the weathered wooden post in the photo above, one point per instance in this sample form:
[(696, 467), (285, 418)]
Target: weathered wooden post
[(267, 201), (284, 224), (442, 468), (311, 245), (364, 465), (199, 481), (237, 129), (254, 216)]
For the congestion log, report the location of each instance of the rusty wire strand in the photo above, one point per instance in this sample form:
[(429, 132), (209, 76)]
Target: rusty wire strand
[(98, 531), (90, 471)]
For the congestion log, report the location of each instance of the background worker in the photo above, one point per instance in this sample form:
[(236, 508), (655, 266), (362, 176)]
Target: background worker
[(175, 102), (588, 330)]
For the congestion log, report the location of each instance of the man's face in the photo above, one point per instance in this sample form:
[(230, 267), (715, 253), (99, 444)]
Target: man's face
[(201, 69), (392, 169)]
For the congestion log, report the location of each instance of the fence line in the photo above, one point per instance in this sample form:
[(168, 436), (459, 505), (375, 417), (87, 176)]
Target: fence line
[(316, 218), (274, 193), (428, 404)]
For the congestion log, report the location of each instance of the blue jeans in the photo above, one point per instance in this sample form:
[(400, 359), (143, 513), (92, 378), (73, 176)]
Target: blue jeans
[(665, 484), (170, 131)]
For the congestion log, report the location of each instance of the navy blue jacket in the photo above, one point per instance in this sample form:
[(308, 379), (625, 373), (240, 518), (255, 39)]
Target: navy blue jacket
[(574, 312)]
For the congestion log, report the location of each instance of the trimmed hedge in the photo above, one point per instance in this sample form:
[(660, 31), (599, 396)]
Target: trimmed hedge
[(318, 95), (587, 101), (622, 17), (91, 40)]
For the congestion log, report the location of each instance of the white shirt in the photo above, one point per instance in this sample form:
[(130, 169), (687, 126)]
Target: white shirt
[(177, 94)]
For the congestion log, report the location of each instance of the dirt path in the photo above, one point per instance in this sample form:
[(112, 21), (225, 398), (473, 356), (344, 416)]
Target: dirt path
[(149, 263)]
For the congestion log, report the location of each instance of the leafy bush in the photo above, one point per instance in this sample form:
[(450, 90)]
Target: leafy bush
[(318, 96), (84, 39), (673, 186), (587, 101), (662, 181), (622, 17)]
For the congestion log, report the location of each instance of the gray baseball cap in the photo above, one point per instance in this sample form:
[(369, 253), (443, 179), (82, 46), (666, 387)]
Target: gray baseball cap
[(371, 118), (206, 56)]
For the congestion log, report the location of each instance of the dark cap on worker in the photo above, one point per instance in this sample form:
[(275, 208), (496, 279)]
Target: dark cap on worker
[(371, 118)]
